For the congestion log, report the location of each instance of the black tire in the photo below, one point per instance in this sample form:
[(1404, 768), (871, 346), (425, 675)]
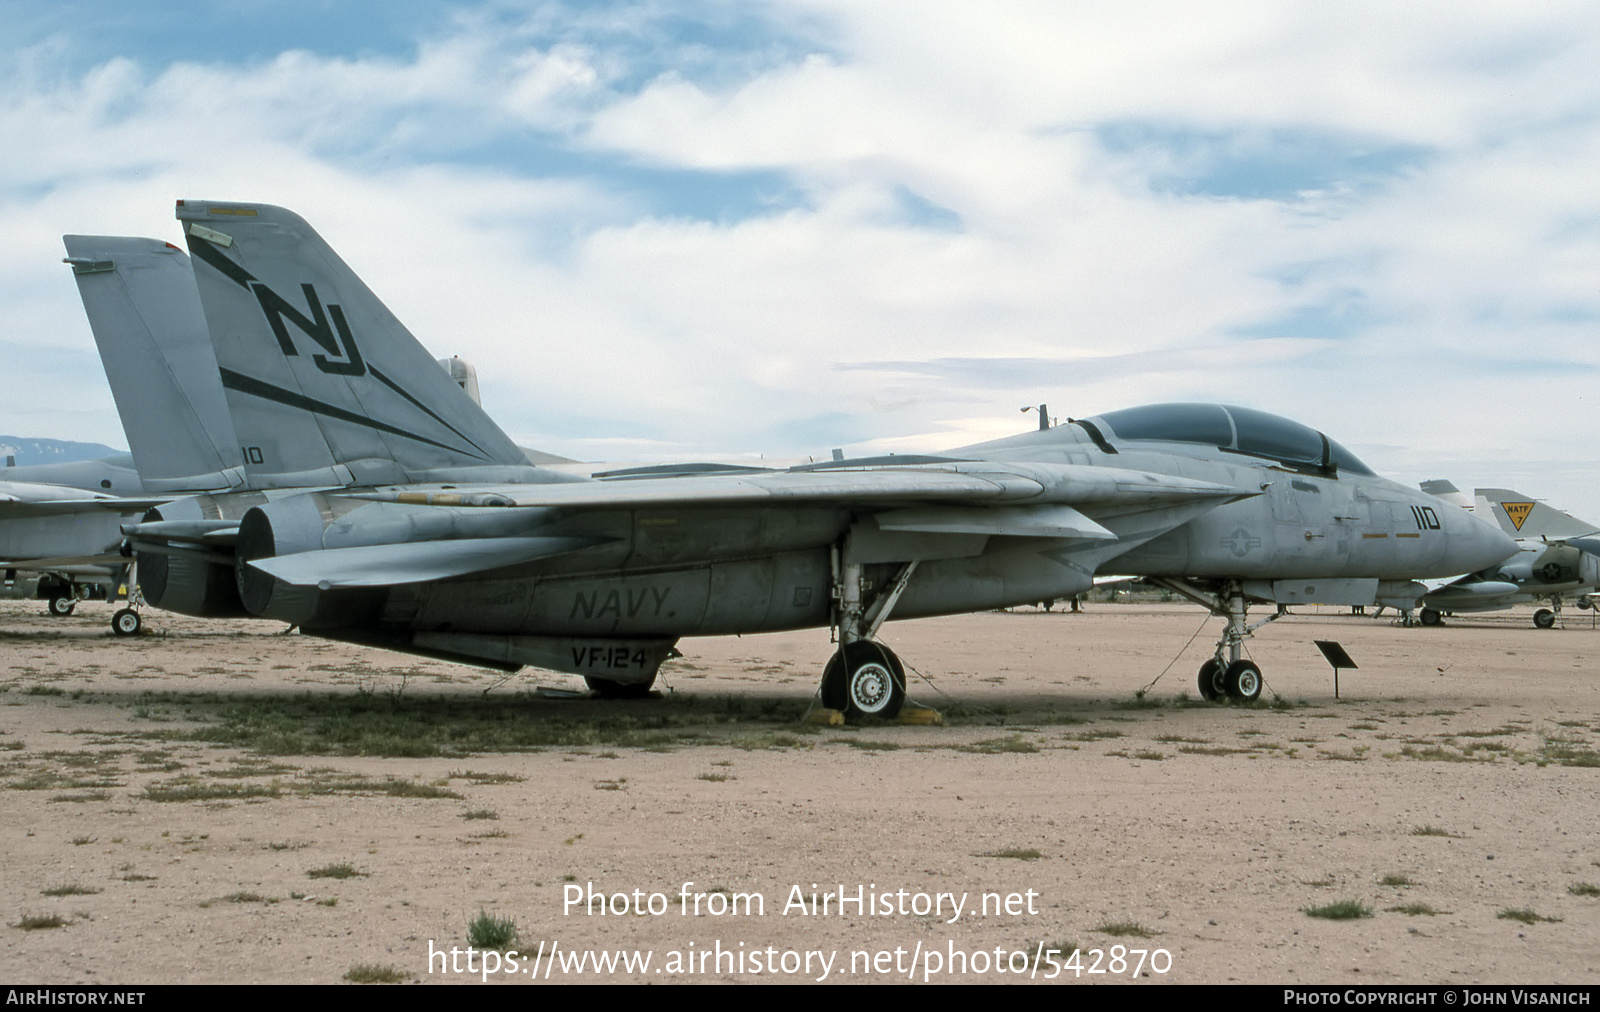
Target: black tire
[(834, 693), (1544, 618), (605, 688), (1430, 617), (1243, 681), (1211, 681), (126, 622), (61, 607), (865, 679)]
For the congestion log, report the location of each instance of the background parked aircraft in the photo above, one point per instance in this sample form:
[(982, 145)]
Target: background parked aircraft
[(1558, 556), (142, 308), (70, 539)]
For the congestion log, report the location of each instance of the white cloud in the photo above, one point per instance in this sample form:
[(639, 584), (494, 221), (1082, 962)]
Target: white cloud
[(511, 195)]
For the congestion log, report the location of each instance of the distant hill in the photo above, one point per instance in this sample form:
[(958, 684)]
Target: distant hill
[(30, 451)]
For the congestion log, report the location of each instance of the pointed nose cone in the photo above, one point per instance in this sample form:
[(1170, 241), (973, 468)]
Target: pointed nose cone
[(1474, 543), (1590, 545)]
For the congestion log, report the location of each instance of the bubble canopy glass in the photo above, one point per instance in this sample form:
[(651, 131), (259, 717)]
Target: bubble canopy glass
[(1235, 430)]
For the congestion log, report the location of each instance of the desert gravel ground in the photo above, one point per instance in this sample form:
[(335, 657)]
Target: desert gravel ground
[(165, 803)]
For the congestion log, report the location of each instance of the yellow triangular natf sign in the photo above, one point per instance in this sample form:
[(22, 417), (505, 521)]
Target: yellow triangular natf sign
[(1518, 512)]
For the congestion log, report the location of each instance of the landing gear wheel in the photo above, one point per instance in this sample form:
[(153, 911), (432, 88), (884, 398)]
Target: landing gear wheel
[(874, 691), (865, 679), (1211, 680), (1430, 617), (1243, 681), (1544, 618), (605, 688), (61, 607), (126, 622)]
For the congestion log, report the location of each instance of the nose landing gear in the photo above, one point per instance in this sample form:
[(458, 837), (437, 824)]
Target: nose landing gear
[(1226, 675)]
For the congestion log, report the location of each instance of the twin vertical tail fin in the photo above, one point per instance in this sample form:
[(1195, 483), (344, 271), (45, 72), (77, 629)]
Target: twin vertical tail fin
[(140, 298), (1447, 491), (325, 385), (1524, 517)]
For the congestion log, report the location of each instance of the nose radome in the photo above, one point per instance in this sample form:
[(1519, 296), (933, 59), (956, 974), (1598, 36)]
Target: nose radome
[(1476, 543)]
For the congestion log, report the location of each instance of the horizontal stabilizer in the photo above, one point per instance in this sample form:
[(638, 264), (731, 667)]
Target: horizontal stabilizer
[(388, 565)]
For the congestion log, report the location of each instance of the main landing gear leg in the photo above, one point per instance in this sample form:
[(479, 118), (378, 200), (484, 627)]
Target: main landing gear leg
[(863, 678)]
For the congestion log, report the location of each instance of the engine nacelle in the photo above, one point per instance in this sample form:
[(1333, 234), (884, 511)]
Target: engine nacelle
[(315, 521), (189, 581)]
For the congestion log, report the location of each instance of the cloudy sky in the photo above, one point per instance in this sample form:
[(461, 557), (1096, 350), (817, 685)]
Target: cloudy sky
[(678, 229)]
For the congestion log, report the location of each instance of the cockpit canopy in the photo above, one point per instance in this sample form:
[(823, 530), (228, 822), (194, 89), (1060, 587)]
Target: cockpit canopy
[(1233, 430)]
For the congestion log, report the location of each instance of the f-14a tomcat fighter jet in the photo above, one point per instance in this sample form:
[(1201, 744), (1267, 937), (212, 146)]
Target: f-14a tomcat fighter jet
[(388, 510)]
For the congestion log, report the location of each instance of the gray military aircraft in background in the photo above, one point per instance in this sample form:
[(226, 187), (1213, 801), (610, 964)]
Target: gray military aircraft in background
[(145, 315), (387, 509), (1557, 555), (114, 475), (139, 297), (69, 537)]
